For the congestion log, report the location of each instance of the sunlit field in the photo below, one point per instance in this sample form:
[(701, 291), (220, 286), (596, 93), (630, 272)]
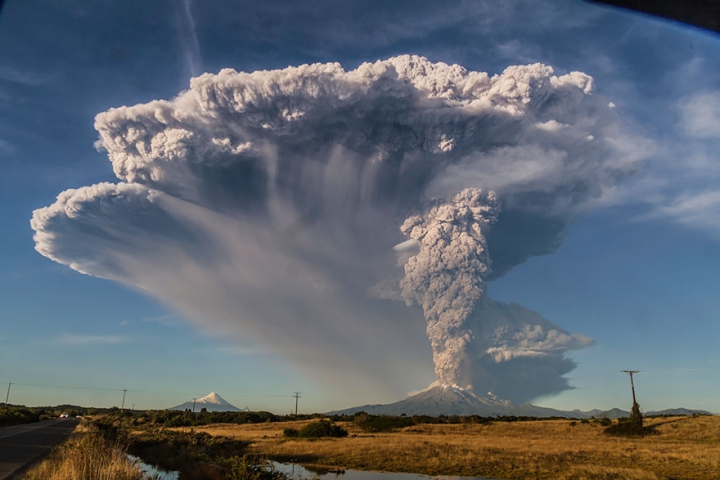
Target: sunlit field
[(684, 447), (86, 455)]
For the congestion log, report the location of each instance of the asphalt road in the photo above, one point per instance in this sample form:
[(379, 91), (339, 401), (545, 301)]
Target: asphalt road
[(21, 444)]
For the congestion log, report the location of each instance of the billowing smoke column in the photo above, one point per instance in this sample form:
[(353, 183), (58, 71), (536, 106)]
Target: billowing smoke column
[(447, 276), (470, 333), (265, 206)]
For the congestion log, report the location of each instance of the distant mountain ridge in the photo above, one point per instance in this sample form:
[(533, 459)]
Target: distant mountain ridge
[(453, 400), (211, 402), (679, 411)]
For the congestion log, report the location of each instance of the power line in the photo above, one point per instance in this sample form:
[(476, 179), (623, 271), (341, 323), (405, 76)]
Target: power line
[(68, 387), (680, 370), (152, 392)]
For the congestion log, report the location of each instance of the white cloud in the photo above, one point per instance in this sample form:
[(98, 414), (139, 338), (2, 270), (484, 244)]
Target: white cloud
[(679, 181), (238, 351), (24, 78), (164, 320), (5, 148), (81, 339), (700, 115), (699, 211), (189, 38)]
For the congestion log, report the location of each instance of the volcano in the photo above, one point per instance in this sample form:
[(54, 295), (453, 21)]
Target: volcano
[(211, 402), (454, 400)]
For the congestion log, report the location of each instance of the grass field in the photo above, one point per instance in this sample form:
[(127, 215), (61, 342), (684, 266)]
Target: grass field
[(683, 448), (86, 455)]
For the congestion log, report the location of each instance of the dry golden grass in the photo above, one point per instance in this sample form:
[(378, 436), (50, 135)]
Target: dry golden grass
[(85, 456), (684, 448)]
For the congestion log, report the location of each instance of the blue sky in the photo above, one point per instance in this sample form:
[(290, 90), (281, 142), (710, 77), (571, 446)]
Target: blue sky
[(637, 271)]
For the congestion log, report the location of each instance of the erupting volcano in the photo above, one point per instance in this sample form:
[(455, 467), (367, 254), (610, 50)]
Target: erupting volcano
[(293, 209)]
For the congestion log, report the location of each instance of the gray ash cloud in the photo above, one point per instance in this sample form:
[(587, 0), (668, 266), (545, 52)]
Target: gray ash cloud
[(266, 206)]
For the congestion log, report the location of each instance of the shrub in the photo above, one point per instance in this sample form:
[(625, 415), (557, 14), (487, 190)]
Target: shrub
[(381, 423), (290, 432), (17, 415), (632, 426), (629, 429), (323, 428)]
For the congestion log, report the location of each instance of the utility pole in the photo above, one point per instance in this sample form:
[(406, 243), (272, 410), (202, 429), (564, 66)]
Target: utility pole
[(632, 384), (296, 395), (7, 396), (123, 402), (635, 416), (133, 407), (194, 404)]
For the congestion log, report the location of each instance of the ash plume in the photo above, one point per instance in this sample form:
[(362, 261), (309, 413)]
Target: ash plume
[(292, 209), (447, 276)]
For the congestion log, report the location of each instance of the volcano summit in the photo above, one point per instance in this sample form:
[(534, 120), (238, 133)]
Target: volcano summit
[(454, 400)]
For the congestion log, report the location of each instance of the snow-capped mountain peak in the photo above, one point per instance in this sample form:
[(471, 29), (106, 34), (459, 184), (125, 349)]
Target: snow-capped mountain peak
[(211, 402), (212, 397)]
